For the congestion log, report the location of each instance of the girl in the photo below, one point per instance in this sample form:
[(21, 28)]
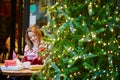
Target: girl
[(34, 43)]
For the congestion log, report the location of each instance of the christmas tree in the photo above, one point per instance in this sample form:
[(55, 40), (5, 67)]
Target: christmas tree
[(85, 39)]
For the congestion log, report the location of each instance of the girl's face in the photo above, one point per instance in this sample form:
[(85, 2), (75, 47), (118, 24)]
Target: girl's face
[(33, 37)]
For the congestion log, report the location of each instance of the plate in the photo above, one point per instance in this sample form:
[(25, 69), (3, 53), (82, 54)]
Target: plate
[(36, 67)]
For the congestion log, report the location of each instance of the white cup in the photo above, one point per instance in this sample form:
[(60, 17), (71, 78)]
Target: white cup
[(26, 64)]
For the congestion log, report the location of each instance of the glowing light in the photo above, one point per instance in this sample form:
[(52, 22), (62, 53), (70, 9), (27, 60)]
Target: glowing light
[(65, 6), (106, 12), (68, 66), (102, 49), (104, 71), (69, 18), (83, 36), (78, 72), (105, 53), (117, 19), (90, 71), (108, 43), (96, 6), (104, 44), (82, 39), (106, 25), (116, 12), (80, 57), (117, 53), (93, 35), (118, 46), (98, 68), (52, 7), (70, 61), (107, 74), (61, 7), (57, 3), (82, 47), (108, 51), (62, 75), (59, 56), (114, 41), (94, 70), (103, 6), (86, 2), (89, 40), (50, 66), (112, 79), (69, 48), (55, 26), (55, 76), (75, 74), (111, 30), (111, 51), (95, 77), (113, 24), (99, 41), (62, 70), (70, 75)]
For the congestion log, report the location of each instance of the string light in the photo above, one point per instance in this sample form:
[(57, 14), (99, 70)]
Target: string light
[(71, 76), (111, 30), (59, 56), (61, 7), (99, 41), (70, 61), (62, 69), (116, 12), (117, 19), (96, 6), (65, 6), (90, 71), (93, 35), (105, 53), (87, 37), (104, 6), (75, 74), (100, 75), (62, 74), (76, 58), (108, 43), (80, 57), (90, 9), (107, 74), (94, 77), (86, 2), (78, 72), (104, 44), (68, 66)]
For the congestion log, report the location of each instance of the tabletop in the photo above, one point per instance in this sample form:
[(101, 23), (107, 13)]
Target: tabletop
[(23, 72), (1, 64)]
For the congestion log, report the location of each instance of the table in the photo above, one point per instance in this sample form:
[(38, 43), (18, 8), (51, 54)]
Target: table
[(1, 64), (23, 72)]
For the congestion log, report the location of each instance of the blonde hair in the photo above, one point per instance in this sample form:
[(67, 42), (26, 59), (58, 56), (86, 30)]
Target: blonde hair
[(35, 30)]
